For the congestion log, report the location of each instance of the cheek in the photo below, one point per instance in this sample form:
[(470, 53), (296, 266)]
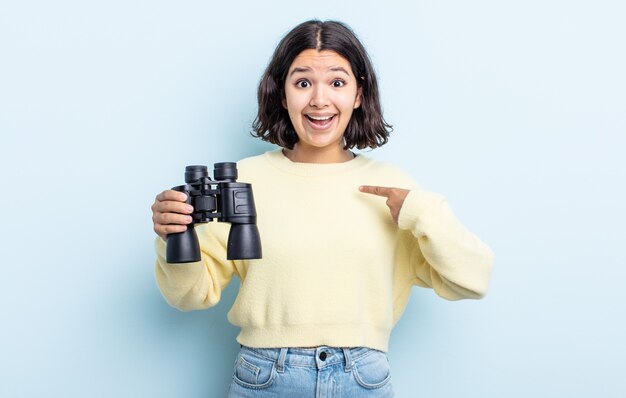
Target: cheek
[(295, 119), (294, 115), (347, 107), (349, 101), (294, 103)]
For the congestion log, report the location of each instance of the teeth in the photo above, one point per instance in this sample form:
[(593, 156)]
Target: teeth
[(320, 117)]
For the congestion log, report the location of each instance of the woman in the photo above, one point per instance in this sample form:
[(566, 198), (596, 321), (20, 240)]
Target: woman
[(338, 259)]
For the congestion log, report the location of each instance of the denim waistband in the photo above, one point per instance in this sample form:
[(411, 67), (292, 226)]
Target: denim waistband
[(317, 357)]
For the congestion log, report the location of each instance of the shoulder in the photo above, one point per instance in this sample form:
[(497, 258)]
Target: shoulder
[(390, 174), (253, 167), (252, 160)]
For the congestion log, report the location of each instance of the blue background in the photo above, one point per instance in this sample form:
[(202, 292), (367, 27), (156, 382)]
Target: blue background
[(516, 111)]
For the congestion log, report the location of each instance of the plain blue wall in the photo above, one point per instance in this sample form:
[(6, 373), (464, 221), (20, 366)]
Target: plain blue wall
[(514, 110)]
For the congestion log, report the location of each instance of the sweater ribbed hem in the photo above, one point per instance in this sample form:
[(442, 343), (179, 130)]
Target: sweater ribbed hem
[(315, 335)]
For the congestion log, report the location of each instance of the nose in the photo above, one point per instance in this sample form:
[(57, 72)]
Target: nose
[(319, 97)]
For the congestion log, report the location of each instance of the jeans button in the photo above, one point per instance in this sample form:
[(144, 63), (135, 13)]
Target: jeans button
[(323, 355)]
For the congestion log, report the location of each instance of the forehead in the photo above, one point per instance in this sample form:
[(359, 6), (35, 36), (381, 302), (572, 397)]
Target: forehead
[(320, 60)]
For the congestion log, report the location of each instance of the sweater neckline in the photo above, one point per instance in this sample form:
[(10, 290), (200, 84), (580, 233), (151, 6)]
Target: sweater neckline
[(278, 159)]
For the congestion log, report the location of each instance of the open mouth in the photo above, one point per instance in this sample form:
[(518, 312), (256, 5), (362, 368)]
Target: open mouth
[(320, 121)]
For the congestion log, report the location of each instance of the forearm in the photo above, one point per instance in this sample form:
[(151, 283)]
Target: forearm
[(449, 258), (190, 286)]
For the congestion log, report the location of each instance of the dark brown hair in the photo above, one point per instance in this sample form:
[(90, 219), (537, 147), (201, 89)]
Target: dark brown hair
[(367, 127)]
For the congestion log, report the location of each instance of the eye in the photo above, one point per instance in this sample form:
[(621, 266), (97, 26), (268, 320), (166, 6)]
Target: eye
[(338, 83), (302, 84)]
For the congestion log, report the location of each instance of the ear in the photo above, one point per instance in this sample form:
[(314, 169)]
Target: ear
[(284, 101), (359, 94)]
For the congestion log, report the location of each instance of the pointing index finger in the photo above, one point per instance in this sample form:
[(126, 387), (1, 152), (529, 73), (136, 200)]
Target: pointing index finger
[(380, 191)]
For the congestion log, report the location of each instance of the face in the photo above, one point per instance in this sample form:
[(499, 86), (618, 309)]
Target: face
[(320, 95)]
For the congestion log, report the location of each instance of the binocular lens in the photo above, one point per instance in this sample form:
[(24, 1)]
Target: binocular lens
[(183, 247), (194, 173), (243, 242), (226, 171)]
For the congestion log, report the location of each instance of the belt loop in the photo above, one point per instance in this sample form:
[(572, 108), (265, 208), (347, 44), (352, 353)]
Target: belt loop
[(346, 354), (280, 365)]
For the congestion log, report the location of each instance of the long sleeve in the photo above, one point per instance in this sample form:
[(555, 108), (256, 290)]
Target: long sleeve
[(196, 285), (445, 255)]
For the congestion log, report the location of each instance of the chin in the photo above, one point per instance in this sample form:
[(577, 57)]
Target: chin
[(323, 145)]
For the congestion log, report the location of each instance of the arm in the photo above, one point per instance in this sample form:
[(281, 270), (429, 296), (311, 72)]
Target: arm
[(444, 254), (196, 285)]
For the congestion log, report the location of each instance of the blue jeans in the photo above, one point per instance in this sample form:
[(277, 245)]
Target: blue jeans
[(322, 372)]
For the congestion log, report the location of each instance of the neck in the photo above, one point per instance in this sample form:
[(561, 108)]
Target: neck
[(318, 155)]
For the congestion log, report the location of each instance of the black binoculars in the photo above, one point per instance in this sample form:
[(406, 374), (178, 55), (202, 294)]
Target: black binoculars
[(230, 201)]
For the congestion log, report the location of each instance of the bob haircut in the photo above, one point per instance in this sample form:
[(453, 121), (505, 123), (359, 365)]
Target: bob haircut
[(366, 129)]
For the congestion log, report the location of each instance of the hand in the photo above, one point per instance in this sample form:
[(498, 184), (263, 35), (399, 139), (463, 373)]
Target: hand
[(170, 213), (395, 197)]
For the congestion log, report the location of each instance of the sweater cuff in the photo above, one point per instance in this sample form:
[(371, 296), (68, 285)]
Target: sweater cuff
[(419, 204)]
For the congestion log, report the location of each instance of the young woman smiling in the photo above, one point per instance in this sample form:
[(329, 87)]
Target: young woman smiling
[(321, 93), (339, 261)]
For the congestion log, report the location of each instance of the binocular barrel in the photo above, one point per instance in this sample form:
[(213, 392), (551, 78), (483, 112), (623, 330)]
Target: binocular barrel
[(230, 201)]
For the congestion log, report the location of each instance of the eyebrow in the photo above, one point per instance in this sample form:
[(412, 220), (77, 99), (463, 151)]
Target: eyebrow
[(300, 70), (339, 69), (307, 69)]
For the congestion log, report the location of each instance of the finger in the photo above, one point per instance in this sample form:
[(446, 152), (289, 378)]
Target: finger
[(164, 230), (172, 218), (170, 194), (375, 190), (174, 207)]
